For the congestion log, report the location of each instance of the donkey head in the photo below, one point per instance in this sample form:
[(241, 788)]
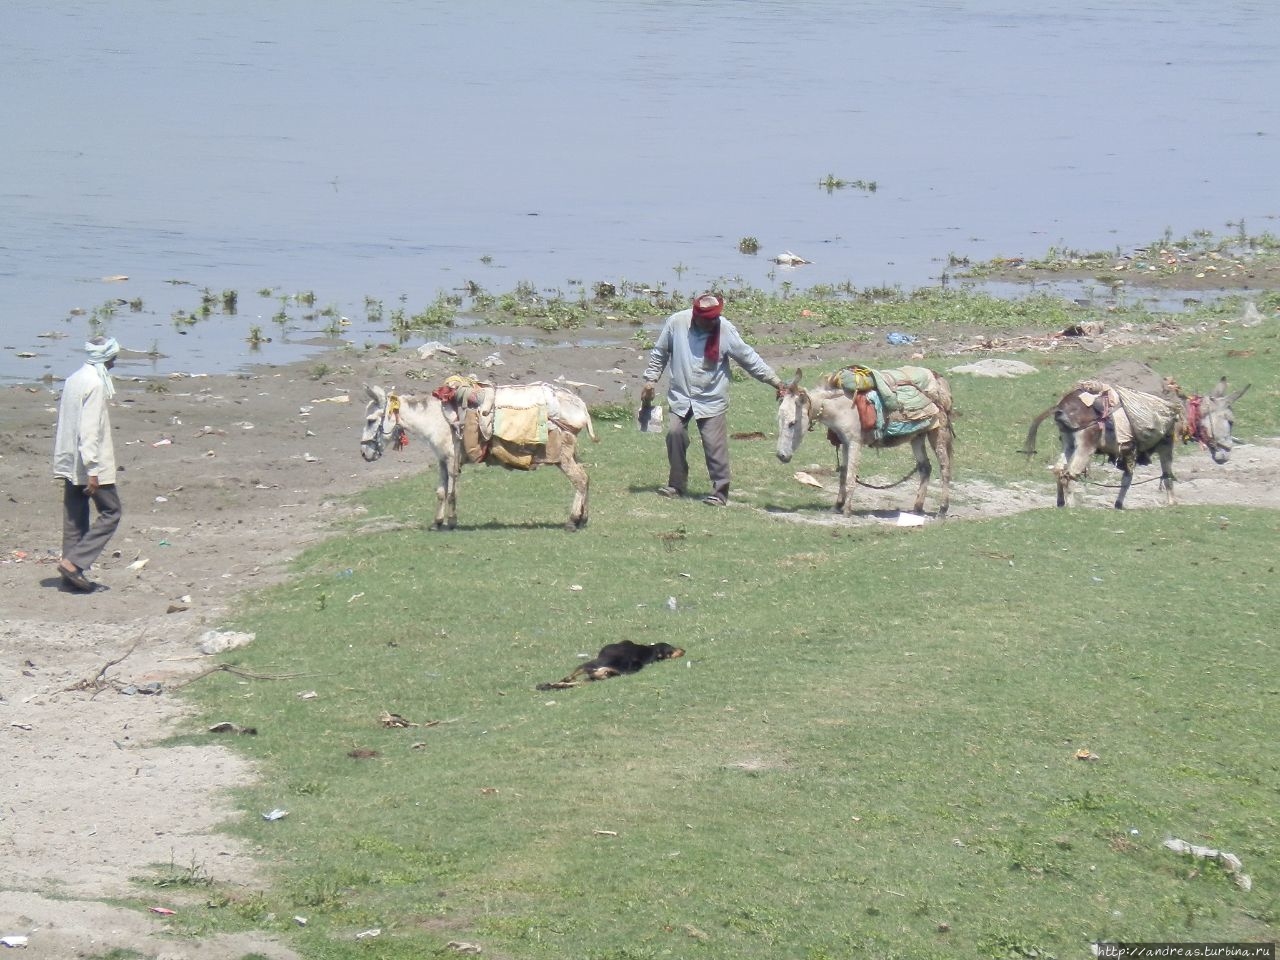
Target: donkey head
[(376, 426), (1217, 420), (793, 417)]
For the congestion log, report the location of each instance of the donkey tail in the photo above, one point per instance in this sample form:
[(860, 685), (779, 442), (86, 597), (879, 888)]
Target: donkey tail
[(1029, 447)]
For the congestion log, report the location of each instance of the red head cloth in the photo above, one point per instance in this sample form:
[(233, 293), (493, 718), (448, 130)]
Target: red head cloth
[(709, 306)]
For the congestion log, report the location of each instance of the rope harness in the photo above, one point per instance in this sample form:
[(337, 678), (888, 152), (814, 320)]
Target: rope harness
[(396, 434)]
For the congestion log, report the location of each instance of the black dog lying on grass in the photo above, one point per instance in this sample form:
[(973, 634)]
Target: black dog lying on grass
[(615, 659)]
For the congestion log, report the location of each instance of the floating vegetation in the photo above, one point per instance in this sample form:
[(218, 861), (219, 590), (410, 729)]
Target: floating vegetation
[(335, 326), (749, 245), (135, 305), (256, 338), (230, 299), (440, 313), (373, 310), (832, 183), (400, 325)]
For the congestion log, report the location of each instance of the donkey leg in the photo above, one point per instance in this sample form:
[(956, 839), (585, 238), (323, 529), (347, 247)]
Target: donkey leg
[(1165, 451), (577, 475), (942, 450), (849, 454), (1063, 479), (442, 495), (451, 490), (1073, 464), (1126, 478), (924, 468)]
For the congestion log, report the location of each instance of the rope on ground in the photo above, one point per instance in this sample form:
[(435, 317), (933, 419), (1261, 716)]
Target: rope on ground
[(1117, 486), (889, 486), (237, 671)]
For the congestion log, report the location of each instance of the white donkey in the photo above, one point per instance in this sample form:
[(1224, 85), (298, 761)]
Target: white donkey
[(832, 406), (389, 415)]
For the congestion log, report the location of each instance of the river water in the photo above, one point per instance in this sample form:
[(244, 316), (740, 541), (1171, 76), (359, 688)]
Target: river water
[(395, 149)]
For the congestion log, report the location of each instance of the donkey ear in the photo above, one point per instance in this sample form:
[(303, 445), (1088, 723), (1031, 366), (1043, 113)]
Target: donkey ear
[(1238, 394), (375, 393), (795, 381), (1219, 388)]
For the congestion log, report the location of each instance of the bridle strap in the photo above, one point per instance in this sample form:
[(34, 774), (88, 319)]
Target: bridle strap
[(1195, 421), (802, 395)]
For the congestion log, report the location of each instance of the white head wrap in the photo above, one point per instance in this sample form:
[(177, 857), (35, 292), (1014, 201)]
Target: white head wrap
[(99, 353)]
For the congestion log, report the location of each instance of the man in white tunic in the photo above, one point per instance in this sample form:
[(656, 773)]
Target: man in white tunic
[(695, 347), (84, 459)]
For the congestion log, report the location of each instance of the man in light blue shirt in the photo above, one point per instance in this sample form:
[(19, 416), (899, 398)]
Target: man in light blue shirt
[(695, 347)]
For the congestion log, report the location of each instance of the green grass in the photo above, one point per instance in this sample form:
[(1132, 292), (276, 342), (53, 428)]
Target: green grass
[(868, 751)]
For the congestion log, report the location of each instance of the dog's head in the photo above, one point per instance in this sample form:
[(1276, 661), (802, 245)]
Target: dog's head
[(665, 651)]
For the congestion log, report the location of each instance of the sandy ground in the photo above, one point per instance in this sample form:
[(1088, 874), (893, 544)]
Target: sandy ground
[(226, 479)]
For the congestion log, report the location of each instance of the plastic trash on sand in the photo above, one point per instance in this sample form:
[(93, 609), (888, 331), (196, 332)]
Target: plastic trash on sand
[(276, 814), (219, 641)]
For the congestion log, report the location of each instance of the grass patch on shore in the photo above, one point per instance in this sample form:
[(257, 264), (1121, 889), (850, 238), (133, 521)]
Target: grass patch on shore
[(870, 749)]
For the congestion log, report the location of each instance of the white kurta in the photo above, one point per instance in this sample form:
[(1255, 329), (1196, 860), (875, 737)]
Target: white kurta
[(83, 447)]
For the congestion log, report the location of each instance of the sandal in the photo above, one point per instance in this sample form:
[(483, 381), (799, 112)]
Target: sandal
[(715, 501), (671, 493)]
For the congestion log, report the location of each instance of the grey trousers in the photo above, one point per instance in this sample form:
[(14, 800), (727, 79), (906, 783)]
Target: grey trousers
[(714, 432), (82, 541)]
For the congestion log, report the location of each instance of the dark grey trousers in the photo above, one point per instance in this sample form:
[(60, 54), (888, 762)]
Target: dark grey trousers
[(81, 540), (714, 432)]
